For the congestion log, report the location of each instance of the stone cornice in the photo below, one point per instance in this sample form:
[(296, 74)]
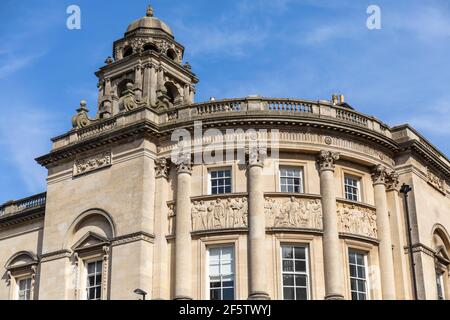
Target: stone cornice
[(416, 148), (22, 216)]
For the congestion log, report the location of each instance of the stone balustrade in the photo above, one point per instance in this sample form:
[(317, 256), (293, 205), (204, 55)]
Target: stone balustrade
[(16, 206)]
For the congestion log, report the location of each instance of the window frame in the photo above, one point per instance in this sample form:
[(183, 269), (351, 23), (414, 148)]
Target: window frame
[(358, 180), (233, 268), (301, 177), (210, 170), (29, 288), (307, 273), (85, 278), (365, 255), (440, 285)]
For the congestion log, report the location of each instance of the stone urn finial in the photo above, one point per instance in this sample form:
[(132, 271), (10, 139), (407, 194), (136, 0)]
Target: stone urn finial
[(149, 11)]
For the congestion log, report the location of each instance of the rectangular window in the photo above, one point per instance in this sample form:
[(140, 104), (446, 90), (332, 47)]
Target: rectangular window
[(220, 181), (221, 273), (295, 272), (24, 289), (352, 188), (440, 286), (291, 180), (94, 280), (358, 275)]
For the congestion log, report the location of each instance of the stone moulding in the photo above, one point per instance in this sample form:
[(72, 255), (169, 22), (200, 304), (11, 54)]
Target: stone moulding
[(354, 218), (91, 163)]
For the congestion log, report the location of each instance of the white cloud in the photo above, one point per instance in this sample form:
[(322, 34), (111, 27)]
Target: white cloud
[(10, 63), (434, 119), (24, 135)]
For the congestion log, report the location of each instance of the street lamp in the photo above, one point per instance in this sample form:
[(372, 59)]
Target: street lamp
[(405, 189), (141, 293)]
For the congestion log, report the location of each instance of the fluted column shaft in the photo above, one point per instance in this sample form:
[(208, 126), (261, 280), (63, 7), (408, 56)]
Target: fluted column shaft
[(183, 254), (379, 176), (334, 275), (257, 234)]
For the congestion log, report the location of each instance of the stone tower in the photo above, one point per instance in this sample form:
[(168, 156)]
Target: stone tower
[(147, 69)]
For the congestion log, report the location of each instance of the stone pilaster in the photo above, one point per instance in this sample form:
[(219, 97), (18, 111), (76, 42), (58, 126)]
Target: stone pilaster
[(138, 82), (183, 250), (161, 253), (257, 228), (380, 176), (334, 273)]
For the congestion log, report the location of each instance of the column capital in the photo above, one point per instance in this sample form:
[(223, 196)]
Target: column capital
[(162, 168), (327, 159), (255, 156), (392, 183), (382, 175), (184, 166)]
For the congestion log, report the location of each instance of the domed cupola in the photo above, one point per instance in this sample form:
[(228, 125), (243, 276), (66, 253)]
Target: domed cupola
[(147, 70), (149, 25)]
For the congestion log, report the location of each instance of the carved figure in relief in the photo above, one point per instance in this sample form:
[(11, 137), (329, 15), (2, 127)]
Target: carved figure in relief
[(294, 213), (219, 214), (357, 220)]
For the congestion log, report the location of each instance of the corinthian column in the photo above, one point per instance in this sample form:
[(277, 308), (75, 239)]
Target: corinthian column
[(257, 229), (379, 176), (334, 274), (183, 254)]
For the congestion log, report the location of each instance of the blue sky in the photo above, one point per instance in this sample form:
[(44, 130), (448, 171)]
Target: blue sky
[(281, 48)]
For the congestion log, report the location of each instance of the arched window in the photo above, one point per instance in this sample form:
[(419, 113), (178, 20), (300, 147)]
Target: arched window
[(150, 47), (128, 51), (172, 54), (441, 244), (21, 270), (172, 92), (89, 239), (122, 87)]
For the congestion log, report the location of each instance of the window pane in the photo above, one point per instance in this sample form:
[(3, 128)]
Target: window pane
[(300, 266), (215, 294), (288, 265), (287, 252), (288, 293), (228, 294), (300, 281), (301, 294), (288, 280)]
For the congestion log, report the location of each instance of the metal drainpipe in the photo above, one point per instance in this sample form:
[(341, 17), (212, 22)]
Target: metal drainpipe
[(405, 189)]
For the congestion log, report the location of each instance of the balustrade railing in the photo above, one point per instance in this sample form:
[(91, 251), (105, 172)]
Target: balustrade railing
[(289, 105), (35, 201), (222, 106), (351, 116)]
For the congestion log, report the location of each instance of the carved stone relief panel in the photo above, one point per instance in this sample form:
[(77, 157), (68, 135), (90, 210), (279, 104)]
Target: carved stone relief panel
[(92, 163), (293, 213), (356, 219), (226, 213), (436, 182)]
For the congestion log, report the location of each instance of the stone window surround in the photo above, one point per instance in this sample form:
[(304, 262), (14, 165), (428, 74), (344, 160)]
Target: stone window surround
[(207, 265), (305, 240), (356, 175), (443, 270), (300, 164), (371, 252), (19, 272), (82, 258), (219, 241), (228, 165)]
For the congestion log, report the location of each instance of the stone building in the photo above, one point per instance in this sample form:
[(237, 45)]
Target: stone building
[(323, 219)]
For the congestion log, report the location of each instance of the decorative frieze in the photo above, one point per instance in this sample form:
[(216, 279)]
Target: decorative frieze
[(226, 213), (357, 219), (436, 182), (293, 213), (92, 163)]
